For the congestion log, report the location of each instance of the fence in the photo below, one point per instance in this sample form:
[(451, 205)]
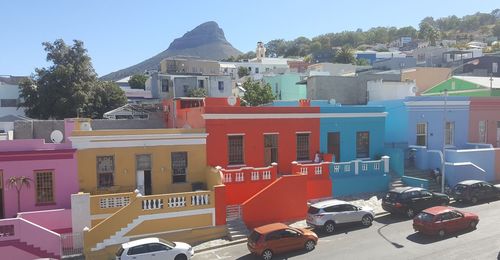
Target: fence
[(72, 243)]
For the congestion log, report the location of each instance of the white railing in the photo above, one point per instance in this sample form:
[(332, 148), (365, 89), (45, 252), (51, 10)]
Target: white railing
[(240, 177), (114, 202), (233, 212), (176, 202), (364, 167), (266, 175), (152, 204), (255, 176), (336, 168), (228, 177), (347, 168), (303, 170), (197, 200), (318, 170), (376, 166)]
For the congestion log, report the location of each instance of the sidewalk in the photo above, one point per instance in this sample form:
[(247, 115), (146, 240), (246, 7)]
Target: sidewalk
[(372, 200)]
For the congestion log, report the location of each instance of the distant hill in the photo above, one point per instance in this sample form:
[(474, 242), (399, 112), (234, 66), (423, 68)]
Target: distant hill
[(206, 41)]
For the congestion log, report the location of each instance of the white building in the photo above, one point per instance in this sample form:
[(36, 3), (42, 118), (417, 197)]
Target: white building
[(388, 90)]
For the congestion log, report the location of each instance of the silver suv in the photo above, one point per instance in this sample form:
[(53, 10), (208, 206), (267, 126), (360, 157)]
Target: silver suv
[(329, 213)]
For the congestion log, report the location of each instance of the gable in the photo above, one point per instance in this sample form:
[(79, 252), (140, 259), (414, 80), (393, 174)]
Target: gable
[(454, 85)]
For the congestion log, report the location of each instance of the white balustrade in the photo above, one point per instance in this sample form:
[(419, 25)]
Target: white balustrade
[(152, 204), (364, 167), (201, 199), (176, 202), (318, 170), (266, 175), (336, 168), (240, 177), (347, 168), (255, 176), (303, 170), (376, 166), (228, 177)]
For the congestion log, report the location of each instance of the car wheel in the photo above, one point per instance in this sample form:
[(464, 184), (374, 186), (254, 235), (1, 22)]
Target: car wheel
[(366, 220), (441, 233), (180, 257), (267, 254), (473, 225), (329, 227), (410, 213), (310, 245), (473, 200)]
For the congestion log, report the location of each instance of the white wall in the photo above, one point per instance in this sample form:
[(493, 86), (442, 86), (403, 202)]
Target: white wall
[(8, 91), (387, 90)]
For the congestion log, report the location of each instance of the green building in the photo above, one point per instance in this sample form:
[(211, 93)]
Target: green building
[(285, 86), (466, 86)]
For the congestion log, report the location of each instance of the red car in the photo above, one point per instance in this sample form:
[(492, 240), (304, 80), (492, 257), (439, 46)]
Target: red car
[(442, 220)]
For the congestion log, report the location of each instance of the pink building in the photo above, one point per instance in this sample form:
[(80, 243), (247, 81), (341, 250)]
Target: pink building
[(52, 172), (484, 124)]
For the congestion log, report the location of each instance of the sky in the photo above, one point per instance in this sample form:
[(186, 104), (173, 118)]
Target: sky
[(121, 33)]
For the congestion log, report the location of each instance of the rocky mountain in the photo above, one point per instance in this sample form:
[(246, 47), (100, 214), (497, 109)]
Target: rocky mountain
[(206, 41)]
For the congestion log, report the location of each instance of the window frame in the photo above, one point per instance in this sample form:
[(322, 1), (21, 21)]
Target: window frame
[(112, 172), (51, 188), (483, 131), (420, 134), (235, 152), (302, 153), (182, 170), (449, 133), (364, 153)]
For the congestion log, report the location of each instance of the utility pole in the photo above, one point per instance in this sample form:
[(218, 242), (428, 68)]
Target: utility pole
[(443, 163)]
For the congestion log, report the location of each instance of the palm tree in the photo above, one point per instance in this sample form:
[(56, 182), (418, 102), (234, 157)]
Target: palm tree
[(18, 182), (345, 55)]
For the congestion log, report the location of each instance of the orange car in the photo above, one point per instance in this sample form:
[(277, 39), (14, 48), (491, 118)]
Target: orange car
[(278, 238)]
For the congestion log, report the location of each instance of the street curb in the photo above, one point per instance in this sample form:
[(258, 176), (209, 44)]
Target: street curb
[(244, 240)]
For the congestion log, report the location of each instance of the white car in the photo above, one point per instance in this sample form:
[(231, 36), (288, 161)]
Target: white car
[(154, 248), (329, 213)]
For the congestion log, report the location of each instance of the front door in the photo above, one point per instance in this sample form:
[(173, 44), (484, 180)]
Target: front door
[(334, 145), (143, 173), (270, 149), (1, 195)]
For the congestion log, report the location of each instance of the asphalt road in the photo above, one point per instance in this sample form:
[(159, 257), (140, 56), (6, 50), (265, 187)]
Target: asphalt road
[(393, 237)]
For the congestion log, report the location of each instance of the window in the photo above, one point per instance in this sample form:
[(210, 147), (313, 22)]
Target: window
[(235, 150), (449, 133), (494, 67), (221, 85), (186, 89), (201, 83), (362, 144), (179, 167), (105, 170), (157, 247), (270, 148), (347, 207), (422, 134), (303, 147), (8, 102), (164, 85), (44, 187), (256, 70), (136, 250), (482, 131)]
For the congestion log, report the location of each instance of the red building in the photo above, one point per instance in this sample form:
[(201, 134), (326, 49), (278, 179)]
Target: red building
[(259, 136)]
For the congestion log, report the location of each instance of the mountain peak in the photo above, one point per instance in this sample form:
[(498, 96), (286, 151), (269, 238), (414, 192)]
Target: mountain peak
[(204, 33)]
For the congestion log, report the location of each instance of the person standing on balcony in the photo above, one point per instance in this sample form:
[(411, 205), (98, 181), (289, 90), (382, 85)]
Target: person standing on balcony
[(317, 157)]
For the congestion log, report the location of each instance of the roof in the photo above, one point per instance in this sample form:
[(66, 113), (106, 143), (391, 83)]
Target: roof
[(270, 227), (437, 210), (140, 242), (12, 80), (12, 118), (405, 189), (327, 203), (482, 81), (470, 182)]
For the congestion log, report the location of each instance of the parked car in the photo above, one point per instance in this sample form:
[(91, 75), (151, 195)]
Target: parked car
[(154, 248), (329, 213), (474, 190), (411, 200), (442, 220), (277, 238)]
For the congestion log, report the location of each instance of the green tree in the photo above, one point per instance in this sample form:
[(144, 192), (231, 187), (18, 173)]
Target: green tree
[(243, 71), (345, 55), (257, 93), (63, 89), (18, 182), (197, 92), (429, 33), (496, 29), (138, 81), (106, 96)]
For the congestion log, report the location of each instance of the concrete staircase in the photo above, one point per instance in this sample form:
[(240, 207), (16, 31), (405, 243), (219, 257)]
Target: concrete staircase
[(423, 174), (31, 249), (395, 181), (237, 230)]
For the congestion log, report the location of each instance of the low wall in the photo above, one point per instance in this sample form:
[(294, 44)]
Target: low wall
[(396, 163), (345, 186), (415, 182), (319, 184), (57, 220), (283, 200)]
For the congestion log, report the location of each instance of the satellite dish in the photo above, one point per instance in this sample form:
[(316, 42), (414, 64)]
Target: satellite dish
[(56, 136), (414, 90), (231, 100), (331, 101)]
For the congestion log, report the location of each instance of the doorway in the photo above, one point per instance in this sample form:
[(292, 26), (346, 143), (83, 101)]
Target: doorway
[(334, 145), (270, 149), (143, 174)]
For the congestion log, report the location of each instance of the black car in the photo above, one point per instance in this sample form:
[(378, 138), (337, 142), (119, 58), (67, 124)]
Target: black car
[(474, 190), (411, 200)]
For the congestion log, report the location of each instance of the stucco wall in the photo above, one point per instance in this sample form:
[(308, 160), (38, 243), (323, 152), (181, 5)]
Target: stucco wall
[(345, 90), (484, 109), (426, 77)]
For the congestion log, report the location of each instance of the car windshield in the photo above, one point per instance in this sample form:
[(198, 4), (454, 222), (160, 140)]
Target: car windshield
[(313, 210), (168, 243), (426, 217), (392, 196), (254, 237), (460, 187), (119, 252)]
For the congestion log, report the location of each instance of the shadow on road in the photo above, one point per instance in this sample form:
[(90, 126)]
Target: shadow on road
[(465, 204), (426, 239), (391, 219), (339, 229), (281, 256)]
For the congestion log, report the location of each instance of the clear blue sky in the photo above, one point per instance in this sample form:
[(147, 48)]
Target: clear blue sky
[(121, 33)]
